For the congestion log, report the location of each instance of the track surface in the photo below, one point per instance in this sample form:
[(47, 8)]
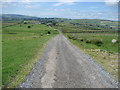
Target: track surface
[(63, 65)]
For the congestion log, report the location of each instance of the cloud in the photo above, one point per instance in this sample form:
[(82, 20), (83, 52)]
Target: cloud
[(8, 4), (57, 4), (28, 6), (111, 2), (17, 1), (99, 13), (63, 2), (72, 2), (26, 1), (8, 0)]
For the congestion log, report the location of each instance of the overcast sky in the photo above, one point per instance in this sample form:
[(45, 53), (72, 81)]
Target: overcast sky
[(72, 9)]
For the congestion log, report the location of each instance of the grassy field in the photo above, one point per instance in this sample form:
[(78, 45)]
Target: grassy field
[(100, 47), (10, 23), (22, 45), (101, 41)]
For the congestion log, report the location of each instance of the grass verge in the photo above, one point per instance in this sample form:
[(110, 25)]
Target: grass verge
[(108, 59), (26, 69)]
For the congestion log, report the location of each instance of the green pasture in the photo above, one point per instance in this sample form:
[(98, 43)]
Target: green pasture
[(20, 45)]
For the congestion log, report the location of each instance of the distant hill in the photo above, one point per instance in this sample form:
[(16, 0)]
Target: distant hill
[(8, 17), (88, 22), (11, 17)]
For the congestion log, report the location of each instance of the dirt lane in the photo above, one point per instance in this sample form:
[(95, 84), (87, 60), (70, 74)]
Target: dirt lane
[(65, 66)]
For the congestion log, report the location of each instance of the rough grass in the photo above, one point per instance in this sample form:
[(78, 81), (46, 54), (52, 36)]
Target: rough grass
[(101, 41), (21, 49), (105, 54)]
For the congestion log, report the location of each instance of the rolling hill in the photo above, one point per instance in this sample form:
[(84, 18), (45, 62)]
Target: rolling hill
[(99, 23)]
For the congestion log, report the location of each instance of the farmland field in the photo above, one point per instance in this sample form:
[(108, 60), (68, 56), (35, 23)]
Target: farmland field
[(22, 44)]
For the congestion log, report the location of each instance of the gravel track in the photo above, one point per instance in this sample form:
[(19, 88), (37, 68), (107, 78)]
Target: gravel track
[(63, 65)]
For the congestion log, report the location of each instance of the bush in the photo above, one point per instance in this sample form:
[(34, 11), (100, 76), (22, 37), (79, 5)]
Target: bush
[(75, 38), (97, 42), (25, 22), (81, 39), (88, 41), (41, 34), (49, 32), (70, 37), (29, 26)]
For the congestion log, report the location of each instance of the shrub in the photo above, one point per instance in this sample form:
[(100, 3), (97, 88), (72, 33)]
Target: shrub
[(97, 42), (41, 34), (29, 26), (25, 22), (49, 32), (75, 38), (81, 39), (70, 37), (88, 41)]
